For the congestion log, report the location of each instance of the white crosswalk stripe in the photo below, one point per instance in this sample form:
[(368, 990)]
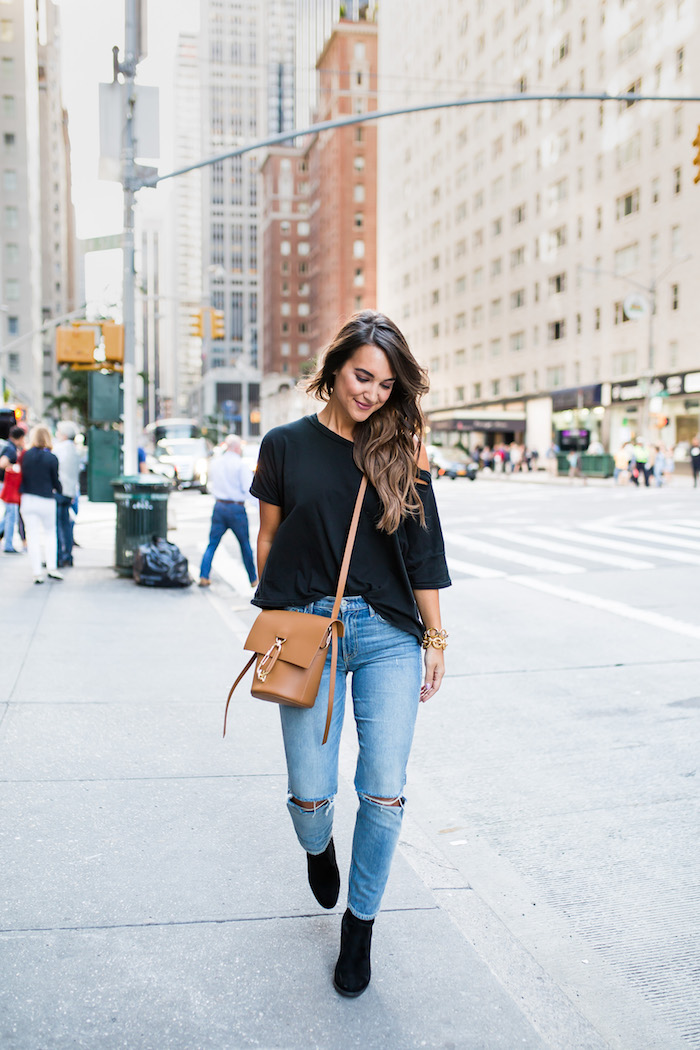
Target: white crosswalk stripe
[(692, 532), (616, 560), (627, 533), (617, 545), (500, 553), (470, 569)]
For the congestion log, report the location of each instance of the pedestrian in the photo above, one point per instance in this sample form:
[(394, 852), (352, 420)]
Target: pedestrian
[(69, 465), (622, 463), (658, 468), (695, 459), (229, 483), (307, 481), (641, 460), (40, 483), (10, 464)]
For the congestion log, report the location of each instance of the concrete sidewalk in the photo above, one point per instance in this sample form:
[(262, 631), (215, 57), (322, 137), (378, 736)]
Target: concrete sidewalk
[(154, 893)]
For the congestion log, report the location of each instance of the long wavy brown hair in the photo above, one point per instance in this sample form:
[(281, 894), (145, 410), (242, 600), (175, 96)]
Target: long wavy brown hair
[(385, 445)]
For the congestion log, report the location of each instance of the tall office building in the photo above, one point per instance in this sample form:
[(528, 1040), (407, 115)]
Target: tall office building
[(246, 72), (511, 235), (186, 225), (20, 231), (58, 246), (37, 232), (342, 165)]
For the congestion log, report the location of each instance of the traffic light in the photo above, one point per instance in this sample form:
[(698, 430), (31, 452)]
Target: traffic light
[(113, 336), (197, 324), (661, 422), (218, 326), (696, 158), (75, 345)]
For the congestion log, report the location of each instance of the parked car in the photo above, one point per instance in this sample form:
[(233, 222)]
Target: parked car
[(451, 463), (184, 460)]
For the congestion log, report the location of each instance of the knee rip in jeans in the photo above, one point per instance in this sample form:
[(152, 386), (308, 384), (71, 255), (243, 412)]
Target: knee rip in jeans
[(399, 802), (310, 805)]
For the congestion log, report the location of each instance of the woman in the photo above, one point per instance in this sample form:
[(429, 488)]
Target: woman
[(39, 484), (307, 481)]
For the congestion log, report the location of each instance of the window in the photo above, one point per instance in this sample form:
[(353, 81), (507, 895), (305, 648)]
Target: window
[(496, 267), (517, 299), (555, 376), (596, 319), (557, 284), (477, 391), (518, 214), (477, 316), (619, 315), (359, 163), (8, 105), (303, 229), (517, 342), (675, 241), (517, 383), (358, 278), (460, 321), (556, 330), (9, 141), (303, 248), (557, 238), (7, 31), (676, 180), (517, 257), (624, 363), (655, 184), (497, 227), (11, 254), (8, 67), (495, 310), (358, 193), (680, 58), (12, 289), (675, 296), (285, 247), (627, 204), (626, 259), (11, 217), (359, 219), (495, 348), (495, 387)]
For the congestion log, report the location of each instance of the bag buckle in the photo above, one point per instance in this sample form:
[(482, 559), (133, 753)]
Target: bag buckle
[(269, 659)]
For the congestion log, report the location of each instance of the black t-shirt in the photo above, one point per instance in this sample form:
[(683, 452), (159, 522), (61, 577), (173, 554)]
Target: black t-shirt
[(309, 472)]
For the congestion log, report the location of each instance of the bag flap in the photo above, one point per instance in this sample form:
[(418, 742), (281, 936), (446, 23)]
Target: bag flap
[(304, 634)]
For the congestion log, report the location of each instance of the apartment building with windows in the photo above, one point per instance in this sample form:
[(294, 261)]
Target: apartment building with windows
[(342, 164), (512, 234), (20, 229)]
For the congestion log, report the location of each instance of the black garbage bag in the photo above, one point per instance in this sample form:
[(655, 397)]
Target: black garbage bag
[(161, 564)]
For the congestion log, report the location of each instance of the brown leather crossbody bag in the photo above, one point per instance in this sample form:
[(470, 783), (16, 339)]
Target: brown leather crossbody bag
[(289, 648)]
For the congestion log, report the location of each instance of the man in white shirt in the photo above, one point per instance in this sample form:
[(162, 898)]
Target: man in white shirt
[(69, 467), (229, 482)]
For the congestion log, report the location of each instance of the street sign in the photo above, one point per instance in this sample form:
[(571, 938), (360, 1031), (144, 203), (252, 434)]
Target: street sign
[(634, 305)]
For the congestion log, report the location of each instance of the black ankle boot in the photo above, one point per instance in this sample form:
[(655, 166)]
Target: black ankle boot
[(324, 877), (353, 970)]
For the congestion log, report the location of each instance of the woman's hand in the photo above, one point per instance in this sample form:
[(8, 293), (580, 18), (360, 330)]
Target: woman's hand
[(434, 673)]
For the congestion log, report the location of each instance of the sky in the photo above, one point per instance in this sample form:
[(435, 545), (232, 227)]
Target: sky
[(89, 30)]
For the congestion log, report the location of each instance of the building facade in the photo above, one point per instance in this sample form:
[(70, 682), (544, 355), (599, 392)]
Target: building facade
[(342, 166), (20, 232), (512, 234)]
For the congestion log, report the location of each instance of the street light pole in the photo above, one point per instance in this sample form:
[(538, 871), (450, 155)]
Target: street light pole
[(128, 70)]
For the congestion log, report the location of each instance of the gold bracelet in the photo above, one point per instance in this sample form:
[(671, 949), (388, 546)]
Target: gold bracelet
[(436, 639)]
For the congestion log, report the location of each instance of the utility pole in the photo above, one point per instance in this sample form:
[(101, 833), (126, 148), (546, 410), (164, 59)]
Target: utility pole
[(128, 70)]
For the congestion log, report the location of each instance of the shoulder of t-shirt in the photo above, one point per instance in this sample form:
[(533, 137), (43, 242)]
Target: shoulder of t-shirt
[(288, 432)]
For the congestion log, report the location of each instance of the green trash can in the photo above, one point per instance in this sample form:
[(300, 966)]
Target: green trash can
[(142, 513)]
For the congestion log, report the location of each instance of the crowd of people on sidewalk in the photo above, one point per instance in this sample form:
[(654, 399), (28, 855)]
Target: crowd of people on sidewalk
[(638, 462), (39, 490)]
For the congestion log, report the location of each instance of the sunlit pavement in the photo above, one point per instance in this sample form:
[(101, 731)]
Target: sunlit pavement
[(543, 892)]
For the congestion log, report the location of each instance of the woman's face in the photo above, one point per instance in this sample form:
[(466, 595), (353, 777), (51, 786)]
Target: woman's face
[(364, 383)]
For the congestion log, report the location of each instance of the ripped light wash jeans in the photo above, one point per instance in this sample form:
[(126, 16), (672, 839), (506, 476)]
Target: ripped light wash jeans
[(386, 667)]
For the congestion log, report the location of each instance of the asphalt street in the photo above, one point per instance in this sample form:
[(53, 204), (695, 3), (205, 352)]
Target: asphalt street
[(545, 891)]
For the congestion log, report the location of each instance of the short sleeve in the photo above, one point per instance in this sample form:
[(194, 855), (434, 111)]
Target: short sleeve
[(267, 482), (424, 548)]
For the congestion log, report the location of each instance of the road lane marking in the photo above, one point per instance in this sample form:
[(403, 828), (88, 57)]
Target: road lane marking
[(475, 570), (500, 554), (616, 545), (629, 612), (617, 560), (676, 528), (633, 533)]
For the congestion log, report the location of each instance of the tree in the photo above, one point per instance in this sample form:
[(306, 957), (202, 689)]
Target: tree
[(73, 394)]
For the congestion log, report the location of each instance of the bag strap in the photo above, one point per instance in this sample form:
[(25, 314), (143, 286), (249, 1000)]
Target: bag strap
[(342, 578)]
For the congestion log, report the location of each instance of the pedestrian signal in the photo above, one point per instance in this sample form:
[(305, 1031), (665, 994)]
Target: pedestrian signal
[(218, 326), (113, 336), (197, 324), (696, 158), (75, 345)]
